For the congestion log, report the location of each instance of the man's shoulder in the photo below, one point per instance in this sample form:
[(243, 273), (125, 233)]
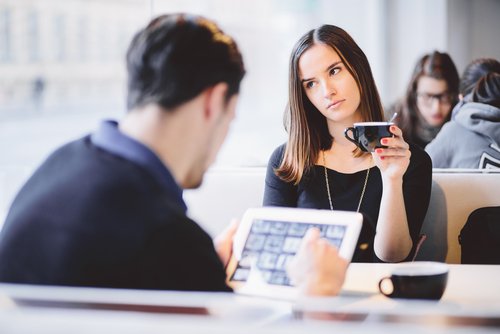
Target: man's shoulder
[(92, 178), (81, 156), (72, 155), (73, 147), (450, 134)]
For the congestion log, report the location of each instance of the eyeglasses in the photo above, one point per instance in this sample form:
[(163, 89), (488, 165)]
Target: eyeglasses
[(427, 99)]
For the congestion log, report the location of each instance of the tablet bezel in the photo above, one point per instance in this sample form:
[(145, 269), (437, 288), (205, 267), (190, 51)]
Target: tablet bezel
[(253, 286)]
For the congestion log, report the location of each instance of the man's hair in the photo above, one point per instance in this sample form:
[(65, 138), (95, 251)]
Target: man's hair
[(176, 57), (475, 71)]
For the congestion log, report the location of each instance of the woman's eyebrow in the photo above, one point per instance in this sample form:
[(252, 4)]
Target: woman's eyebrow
[(333, 65), (326, 70)]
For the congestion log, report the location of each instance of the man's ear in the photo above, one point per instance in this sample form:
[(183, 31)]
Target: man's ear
[(215, 101)]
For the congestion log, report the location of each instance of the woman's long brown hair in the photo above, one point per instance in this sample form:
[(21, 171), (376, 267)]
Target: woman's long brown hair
[(307, 128), (436, 65)]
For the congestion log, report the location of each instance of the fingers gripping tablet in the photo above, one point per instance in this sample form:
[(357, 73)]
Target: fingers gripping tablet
[(268, 238)]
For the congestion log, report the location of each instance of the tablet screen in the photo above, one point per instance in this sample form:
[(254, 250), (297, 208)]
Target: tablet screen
[(268, 238), (271, 245)]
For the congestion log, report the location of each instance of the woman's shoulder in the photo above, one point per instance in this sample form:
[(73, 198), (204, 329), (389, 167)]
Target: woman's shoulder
[(277, 155), (450, 132), (419, 157)]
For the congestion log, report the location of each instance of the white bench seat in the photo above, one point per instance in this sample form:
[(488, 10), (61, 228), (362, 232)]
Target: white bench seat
[(227, 193)]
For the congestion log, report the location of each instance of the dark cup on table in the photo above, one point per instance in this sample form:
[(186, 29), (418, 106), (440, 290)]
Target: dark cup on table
[(416, 280), (367, 135)]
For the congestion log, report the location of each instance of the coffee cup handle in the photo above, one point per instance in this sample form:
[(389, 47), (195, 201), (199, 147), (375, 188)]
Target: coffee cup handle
[(351, 139), (382, 290)]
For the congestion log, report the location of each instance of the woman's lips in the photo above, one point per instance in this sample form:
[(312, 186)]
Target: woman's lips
[(335, 104)]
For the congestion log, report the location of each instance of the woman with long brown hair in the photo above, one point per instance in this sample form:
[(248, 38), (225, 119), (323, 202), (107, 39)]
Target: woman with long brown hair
[(330, 88), (431, 94)]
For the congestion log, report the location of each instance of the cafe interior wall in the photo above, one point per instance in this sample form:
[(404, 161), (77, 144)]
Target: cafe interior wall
[(61, 62)]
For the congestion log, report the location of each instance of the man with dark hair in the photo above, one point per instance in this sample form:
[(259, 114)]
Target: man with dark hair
[(107, 210)]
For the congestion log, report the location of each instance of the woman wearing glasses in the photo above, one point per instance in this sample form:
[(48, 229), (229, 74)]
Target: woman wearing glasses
[(472, 138), (430, 97)]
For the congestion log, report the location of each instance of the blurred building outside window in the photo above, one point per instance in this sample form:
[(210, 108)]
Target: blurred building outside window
[(62, 63)]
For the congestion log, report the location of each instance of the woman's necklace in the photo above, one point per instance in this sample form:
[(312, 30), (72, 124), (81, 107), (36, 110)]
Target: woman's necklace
[(328, 185)]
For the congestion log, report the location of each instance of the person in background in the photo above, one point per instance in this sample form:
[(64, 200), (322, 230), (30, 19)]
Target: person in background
[(472, 138), (430, 97), (331, 86), (107, 210), (473, 72)]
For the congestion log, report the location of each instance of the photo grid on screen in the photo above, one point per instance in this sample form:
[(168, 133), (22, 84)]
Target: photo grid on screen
[(271, 245)]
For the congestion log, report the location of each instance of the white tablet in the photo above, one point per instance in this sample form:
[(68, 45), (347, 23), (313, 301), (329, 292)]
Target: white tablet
[(268, 238)]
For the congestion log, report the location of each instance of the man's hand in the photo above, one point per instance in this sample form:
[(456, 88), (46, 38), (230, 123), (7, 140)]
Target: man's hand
[(223, 243), (317, 269)]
